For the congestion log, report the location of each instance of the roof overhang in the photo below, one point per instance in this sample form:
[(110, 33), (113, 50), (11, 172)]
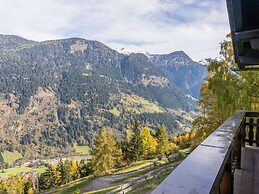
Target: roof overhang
[(244, 25)]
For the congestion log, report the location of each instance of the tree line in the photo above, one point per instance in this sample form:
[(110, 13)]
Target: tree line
[(53, 177), (63, 173), (143, 143), (108, 154)]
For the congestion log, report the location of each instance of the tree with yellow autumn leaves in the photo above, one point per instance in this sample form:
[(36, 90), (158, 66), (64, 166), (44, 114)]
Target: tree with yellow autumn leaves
[(225, 91), (105, 152), (184, 140), (148, 143)]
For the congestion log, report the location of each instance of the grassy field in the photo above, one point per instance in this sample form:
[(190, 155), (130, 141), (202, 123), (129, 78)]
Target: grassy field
[(145, 170), (73, 186), (136, 170), (149, 186), (102, 191), (185, 150), (84, 150), (138, 105), (134, 175), (18, 170), (11, 157), (135, 166)]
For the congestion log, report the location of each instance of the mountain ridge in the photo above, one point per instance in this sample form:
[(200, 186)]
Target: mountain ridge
[(184, 72), (57, 93)]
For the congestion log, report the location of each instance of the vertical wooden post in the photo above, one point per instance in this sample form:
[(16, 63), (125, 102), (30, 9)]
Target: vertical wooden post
[(257, 133), (239, 142), (251, 131), (237, 151), (243, 134), (227, 182)]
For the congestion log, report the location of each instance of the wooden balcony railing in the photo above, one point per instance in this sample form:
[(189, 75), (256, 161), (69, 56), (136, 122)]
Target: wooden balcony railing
[(210, 167)]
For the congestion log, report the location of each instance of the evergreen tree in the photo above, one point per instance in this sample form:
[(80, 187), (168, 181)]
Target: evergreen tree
[(65, 173), (84, 169), (47, 179), (57, 176), (118, 155), (125, 148), (50, 178), (134, 148), (163, 142), (104, 152)]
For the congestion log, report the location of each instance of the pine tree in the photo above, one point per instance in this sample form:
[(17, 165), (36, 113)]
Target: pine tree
[(65, 173), (56, 176), (84, 169), (45, 181), (163, 146), (118, 155), (104, 152), (49, 179), (134, 147)]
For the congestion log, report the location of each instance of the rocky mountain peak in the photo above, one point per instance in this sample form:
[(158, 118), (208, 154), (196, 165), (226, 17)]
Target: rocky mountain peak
[(183, 71), (175, 58)]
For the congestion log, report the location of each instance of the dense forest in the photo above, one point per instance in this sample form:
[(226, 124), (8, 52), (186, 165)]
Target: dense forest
[(57, 94)]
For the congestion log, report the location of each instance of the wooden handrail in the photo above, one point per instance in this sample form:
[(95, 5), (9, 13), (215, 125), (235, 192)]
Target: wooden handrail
[(210, 167)]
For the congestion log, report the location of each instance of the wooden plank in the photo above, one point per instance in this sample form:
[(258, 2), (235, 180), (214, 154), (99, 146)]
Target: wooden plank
[(256, 171), (247, 35), (237, 181), (248, 180), (252, 114), (247, 60), (245, 69), (238, 48)]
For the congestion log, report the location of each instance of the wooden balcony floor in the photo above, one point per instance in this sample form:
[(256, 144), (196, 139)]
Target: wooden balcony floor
[(246, 180)]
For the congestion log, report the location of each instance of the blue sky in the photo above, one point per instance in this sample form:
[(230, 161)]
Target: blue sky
[(155, 26)]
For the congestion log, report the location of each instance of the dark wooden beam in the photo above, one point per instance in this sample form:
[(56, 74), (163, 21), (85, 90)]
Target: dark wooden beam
[(231, 5), (247, 35), (247, 60)]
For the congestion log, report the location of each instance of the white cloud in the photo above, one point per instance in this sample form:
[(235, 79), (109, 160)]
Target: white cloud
[(156, 26)]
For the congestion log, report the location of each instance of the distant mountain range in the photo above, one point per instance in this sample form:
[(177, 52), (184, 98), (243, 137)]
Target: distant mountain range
[(185, 73), (55, 94)]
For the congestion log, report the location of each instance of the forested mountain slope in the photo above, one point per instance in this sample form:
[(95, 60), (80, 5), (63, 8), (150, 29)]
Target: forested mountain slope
[(54, 94)]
